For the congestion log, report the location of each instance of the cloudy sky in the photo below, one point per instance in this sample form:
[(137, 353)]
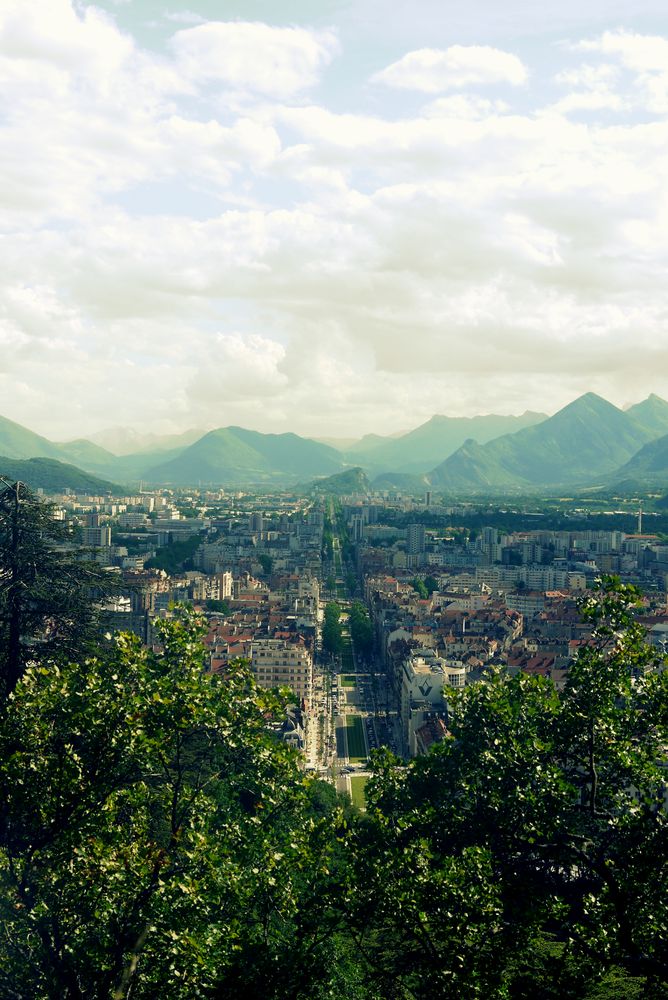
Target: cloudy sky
[(329, 216)]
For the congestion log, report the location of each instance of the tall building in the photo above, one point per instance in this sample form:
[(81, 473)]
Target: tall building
[(283, 663), (95, 535), (256, 523), (415, 539)]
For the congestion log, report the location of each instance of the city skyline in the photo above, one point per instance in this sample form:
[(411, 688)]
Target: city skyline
[(323, 222)]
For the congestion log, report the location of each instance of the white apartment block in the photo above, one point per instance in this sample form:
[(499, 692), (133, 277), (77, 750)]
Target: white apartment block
[(282, 663), (425, 681)]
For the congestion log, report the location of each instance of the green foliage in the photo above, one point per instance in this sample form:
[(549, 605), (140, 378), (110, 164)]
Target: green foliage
[(332, 636), (187, 510), (361, 629), (153, 837), (424, 588), (47, 594), (266, 562), (342, 483), (220, 607), (54, 476), (176, 556), (156, 840), (420, 588), (327, 544), (542, 816)]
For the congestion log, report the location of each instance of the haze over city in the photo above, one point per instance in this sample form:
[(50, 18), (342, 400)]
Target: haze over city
[(312, 217)]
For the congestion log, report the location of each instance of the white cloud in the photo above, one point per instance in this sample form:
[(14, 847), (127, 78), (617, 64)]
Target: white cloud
[(436, 70), (50, 32), (642, 53), (189, 253), (646, 56), (591, 100), (464, 106), (275, 62), (589, 76), (237, 368)]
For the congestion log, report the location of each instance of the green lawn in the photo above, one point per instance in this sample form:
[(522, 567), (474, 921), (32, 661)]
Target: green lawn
[(347, 681), (347, 661), (357, 784), (356, 740)]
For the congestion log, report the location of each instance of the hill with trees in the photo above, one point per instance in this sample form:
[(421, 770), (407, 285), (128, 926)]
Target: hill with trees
[(233, 454), (343, 483), (53, 476)]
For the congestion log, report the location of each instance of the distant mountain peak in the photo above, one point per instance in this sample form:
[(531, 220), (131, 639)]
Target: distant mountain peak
[(591, 399), (588, 437)]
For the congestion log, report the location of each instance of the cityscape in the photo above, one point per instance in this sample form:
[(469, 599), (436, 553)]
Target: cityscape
[(447, 589), (333, 500)]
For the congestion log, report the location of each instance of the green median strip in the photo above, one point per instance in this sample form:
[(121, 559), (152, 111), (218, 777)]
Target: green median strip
[(357, 785), (355, 736)]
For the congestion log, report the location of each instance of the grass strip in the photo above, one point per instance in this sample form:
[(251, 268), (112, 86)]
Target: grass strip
[(356, 740), (357, 785)]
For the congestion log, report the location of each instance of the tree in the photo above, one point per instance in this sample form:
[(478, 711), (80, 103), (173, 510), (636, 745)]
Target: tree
[(361, 629), (154, 839), (525, 856), (219, 607), (266, 562), (176, 555), (420, 588), (47, 592), (332, 636)]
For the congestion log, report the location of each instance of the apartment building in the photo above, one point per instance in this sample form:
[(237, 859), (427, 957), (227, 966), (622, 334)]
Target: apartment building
[(284, 663)]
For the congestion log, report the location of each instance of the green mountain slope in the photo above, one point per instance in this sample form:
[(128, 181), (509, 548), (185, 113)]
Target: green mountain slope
[(404, 482), (648, 466), (652, 415), (86, 455), (587, 439), (18, 442), (341, 483), (234, 454), (125, 441), (421, 449), (53, 476)]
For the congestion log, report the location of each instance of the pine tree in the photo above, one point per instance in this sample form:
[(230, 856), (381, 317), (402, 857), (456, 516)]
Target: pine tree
[(48, 591)]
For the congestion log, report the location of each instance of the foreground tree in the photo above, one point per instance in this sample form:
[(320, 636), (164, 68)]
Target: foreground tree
[(156, 840), (154, 837), (526, 855), (47, 593)]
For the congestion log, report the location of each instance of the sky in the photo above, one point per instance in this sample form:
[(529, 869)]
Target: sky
[(332, 217)]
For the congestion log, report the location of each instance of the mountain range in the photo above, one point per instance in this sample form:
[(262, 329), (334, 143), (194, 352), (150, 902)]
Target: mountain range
[(584, 443), (421, 449), (589, 442)]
